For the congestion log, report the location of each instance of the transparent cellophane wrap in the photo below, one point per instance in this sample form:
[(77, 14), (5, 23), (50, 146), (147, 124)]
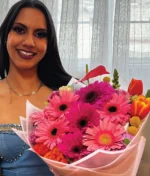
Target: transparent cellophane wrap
[(99, 163)]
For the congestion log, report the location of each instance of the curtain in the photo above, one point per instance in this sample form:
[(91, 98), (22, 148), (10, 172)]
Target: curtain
[(99, 45), (121, 39), (4, 6), (131, 42), (83, 35), (68, 35), (82, 31)]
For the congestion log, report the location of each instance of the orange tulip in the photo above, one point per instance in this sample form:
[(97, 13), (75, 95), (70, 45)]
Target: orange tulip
[(144, 99), (140, 109), (135, 87), (148, 100)]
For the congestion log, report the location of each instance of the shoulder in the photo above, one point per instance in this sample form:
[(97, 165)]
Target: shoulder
[(4, 90), (4, 99), (44, 93), (46, 90)]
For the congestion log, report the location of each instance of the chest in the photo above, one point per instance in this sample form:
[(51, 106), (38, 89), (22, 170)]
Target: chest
[(10, 112)]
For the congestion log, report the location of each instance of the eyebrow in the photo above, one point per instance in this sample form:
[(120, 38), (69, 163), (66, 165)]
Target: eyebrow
[(24, 26)]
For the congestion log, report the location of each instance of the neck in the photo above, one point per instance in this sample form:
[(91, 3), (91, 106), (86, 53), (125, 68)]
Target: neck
[(24, 81)]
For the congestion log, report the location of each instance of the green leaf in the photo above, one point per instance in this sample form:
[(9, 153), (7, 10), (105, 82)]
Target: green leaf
[(115, 80), (147, 93)]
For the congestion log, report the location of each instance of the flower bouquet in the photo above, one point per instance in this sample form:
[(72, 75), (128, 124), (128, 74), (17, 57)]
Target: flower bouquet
[(92, 129)]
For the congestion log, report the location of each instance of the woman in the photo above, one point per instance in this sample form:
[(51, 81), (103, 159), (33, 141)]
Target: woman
[(30, 68)]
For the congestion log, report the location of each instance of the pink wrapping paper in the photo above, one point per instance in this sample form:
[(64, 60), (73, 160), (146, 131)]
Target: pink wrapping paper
[(99, 163)]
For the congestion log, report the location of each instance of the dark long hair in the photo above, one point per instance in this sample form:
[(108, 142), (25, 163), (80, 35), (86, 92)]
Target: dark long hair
[(50, 69)]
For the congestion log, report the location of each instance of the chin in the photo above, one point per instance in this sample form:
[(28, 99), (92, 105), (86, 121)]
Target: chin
[(26, 67)]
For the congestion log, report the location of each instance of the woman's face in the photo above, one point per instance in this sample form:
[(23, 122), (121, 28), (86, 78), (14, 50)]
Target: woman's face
[(27, 39)]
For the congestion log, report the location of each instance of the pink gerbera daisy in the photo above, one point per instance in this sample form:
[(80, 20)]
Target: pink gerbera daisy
[(107, 136), (51, 132), (48, 113), (117, 109), (82, 115), (96, 94), (59, 105), (126, 94), (72, 147), (53, 94), (37, 117)]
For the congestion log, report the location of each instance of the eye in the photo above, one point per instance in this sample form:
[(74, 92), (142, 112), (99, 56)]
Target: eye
[(41, 34), (19, 30)]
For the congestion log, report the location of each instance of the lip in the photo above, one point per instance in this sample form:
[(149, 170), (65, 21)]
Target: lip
[(26, 57)]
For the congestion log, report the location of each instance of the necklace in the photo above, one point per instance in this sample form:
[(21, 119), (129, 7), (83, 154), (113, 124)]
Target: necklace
[(22, 94)]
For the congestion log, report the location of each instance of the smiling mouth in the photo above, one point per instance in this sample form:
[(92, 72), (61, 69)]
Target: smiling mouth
[(26, 54)]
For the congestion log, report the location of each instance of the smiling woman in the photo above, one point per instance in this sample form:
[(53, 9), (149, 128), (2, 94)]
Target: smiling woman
[(30, 69)]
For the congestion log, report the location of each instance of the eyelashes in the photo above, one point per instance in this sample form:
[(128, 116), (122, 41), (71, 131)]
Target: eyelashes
[(18, 29), (42, 34), (21, 30)]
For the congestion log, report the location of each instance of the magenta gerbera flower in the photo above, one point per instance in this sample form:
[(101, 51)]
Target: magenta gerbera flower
[(96, 94), (107, 136), (117, 109), (51, 132), (72, 147), (60, 105), (82, 115)]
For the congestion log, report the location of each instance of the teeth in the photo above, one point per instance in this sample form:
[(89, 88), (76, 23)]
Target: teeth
[(26, 53)]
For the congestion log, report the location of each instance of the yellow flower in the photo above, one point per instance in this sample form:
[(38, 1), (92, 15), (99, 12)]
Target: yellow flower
[(66, 88), (135, 97), (106, 79), (132, 130), (135, 121)]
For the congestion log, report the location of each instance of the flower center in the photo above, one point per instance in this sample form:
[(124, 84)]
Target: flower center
[(112, 109), (76, 149), (91, 97), (105, 139), (54, 131), (126, 141), (82, 123), (62, 107)]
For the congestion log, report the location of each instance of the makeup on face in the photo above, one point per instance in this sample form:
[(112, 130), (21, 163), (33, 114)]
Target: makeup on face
[(27, 39)]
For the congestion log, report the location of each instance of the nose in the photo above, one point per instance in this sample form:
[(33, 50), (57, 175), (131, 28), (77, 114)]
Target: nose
[(29, 41)]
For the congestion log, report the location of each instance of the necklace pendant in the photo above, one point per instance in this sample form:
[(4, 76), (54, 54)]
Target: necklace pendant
[(19, 94), (34, 92)]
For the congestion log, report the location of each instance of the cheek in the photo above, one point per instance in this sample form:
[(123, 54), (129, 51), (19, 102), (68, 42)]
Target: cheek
[(43, 48), (11, 42)]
